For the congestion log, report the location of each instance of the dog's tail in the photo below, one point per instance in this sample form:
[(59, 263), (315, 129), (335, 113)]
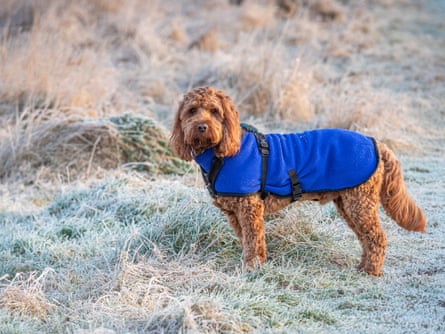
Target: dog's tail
[(394, 196)]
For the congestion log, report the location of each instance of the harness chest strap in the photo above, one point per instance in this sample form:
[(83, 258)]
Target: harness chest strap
[(263, 146), (210, 177), (217, 163)]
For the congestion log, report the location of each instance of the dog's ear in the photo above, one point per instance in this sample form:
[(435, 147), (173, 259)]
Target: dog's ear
[(231, 139), (177, 139)]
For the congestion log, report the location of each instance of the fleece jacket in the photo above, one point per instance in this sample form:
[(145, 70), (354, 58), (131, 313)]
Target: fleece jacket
[(323, 160)]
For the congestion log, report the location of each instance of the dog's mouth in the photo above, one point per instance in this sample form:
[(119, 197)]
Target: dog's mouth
[(199, 142)]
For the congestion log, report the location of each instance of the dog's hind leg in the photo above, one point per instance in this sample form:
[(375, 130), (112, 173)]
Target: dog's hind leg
[(359, 206), (373, 242), (339, 205)]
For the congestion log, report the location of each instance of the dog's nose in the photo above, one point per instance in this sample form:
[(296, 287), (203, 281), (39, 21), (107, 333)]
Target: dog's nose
[(202, 127)]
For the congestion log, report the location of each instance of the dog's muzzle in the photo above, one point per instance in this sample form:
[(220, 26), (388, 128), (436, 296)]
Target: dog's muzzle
[(202, 127)]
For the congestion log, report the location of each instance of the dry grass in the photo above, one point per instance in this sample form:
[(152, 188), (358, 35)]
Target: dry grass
[(148, 292), (49, 66), (376, 112), (103, 230), (72, 147), (25, 296)]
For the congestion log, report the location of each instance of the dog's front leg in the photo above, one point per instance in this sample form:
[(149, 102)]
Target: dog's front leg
[(246, 216), (251, 219), (233, 220)]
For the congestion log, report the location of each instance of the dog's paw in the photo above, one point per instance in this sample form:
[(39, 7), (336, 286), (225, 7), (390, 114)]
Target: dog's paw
[(370, 270), (253, 264)]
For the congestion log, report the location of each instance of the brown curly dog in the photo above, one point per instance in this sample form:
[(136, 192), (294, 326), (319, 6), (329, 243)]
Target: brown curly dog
[(355, 172)]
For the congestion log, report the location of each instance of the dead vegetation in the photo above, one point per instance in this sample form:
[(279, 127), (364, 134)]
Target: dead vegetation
[(25, 295), (72, 147), (67, 68)]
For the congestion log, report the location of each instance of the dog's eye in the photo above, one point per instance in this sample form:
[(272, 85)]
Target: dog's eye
[(192, 110), (214, 111)]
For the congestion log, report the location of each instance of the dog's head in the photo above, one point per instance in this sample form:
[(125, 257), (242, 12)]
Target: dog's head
[(206, 118)]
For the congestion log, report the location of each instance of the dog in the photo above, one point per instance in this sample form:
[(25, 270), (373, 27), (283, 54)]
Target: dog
[(249, 174)]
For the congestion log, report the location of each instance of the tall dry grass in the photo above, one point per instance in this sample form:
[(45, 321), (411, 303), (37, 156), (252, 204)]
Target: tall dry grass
[(25, 295), (361, 107), (100, 57), (267, 83), (57, 64)]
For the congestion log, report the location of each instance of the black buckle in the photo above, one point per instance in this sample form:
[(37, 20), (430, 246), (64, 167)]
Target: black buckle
[(264, 194), (295, 185), (263, 145)]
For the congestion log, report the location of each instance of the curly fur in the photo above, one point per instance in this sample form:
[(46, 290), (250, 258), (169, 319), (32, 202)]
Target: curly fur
[(207, 118)]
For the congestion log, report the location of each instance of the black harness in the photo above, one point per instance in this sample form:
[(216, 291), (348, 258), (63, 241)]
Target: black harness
[(263, 147)]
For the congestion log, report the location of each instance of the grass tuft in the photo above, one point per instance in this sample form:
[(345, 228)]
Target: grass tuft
[(77, 147), (24, 295)]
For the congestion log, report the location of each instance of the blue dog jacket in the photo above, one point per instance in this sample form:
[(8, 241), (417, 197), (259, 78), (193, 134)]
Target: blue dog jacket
[(323, 160)]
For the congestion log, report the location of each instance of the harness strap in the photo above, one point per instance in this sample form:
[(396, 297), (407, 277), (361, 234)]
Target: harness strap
[(210, 177), (217, 164), (263, 146), (295, 184)]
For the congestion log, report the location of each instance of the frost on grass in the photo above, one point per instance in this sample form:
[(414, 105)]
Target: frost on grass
[(155, 240), (130, 253), (134, 254), (157, 296)]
